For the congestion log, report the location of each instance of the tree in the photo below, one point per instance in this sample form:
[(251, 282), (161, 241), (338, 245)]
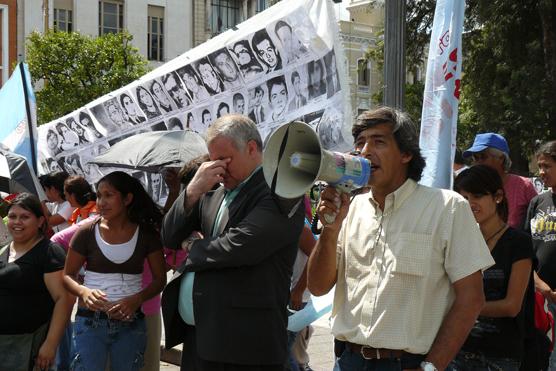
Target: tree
[(77, 69), (509, 70)]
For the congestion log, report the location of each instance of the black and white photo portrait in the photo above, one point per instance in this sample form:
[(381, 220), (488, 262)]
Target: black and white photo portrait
[(159, 95), (317, 81), (292, 48), (156, 187), (86, 121), (116, 114), (131, 110), (51, 165), (193, 83), (257, 103), (246, 60), (266, 51), (68, 139), (298, 99), (146, 102), (210, 79), (53, 142), (277, 97), (78, 130), (332, 76), (178, 94), (238, 103), (190, 122), (73, 164), (222, 109), (205, 117), (226, 68)]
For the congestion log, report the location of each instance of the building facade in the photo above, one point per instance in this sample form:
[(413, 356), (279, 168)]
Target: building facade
[(161, 29), (357, 34)]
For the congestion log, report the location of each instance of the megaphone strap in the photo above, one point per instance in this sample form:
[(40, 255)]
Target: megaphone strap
[(280, 155)]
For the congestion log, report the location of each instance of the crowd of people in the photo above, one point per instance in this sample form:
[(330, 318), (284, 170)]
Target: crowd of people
[(425, 279)]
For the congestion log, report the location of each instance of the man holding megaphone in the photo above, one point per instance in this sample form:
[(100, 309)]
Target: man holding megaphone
[(406, 259)]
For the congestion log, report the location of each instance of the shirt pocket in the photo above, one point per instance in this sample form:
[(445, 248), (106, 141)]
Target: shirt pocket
[(411, 254)]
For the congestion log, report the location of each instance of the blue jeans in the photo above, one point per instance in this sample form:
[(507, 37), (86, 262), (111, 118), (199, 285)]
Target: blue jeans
[(95, 339), (350, 361), (466, 361), (64, 353)]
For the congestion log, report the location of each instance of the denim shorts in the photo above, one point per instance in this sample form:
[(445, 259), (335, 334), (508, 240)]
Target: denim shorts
[(95, 340)]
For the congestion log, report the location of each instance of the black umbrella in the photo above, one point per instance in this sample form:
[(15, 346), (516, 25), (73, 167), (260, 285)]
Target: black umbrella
[(153, 150), (16, 176)]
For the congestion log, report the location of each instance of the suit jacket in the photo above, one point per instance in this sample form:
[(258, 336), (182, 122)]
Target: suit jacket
[(293, 107), (242, 277)]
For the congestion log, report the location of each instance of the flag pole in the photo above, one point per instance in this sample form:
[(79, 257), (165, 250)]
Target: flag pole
[(29, 123)]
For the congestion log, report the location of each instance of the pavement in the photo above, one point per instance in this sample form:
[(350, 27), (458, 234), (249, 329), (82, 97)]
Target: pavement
[(321, 350)]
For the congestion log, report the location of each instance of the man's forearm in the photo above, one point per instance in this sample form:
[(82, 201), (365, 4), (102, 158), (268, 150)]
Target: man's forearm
[(454, 331), (322, 273)]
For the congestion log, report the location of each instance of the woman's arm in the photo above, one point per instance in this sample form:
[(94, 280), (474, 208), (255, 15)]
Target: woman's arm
[(544, 288), (60, 317), (93, 299), (125, 309), (511, 305)]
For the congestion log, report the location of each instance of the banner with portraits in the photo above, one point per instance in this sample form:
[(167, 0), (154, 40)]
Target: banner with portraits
[(283, 64)]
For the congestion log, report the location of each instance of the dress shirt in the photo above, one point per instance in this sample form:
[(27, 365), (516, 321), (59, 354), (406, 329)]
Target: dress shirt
[(396, 267)]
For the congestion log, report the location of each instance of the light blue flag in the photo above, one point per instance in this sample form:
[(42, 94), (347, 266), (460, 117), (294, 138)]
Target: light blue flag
[(18, 128), (441, 95)]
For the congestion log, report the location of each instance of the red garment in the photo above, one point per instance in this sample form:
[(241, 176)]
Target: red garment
[(83, 212)]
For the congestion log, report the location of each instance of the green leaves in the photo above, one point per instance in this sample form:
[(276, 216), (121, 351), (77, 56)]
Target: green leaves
[(70, 69)]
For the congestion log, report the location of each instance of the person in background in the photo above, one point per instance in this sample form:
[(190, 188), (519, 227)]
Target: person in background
[(459, 163), (61, 210), (109, 323), (80, 195), (35, 306), (491, 149), (496, 341), (541, 224)]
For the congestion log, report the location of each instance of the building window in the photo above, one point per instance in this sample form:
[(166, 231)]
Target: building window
[(262, 5), (363, 73), (63, 20), (155, 33), (110, 17), (224, 14)]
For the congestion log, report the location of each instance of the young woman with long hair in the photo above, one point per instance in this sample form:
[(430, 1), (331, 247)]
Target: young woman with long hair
[(109, 323), (496, 341)]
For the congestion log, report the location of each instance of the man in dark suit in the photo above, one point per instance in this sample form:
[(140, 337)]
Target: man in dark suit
[(299, 99), (227, 302)]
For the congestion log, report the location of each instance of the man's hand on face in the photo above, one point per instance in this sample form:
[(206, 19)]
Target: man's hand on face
[(207, 176)]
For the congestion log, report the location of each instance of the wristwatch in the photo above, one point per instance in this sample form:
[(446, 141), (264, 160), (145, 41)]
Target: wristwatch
[(428, 366)]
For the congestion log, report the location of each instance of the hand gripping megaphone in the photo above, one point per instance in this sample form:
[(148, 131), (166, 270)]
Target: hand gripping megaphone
[(294, 160)]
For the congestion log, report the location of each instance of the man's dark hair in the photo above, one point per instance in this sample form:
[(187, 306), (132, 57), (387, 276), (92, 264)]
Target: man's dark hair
[(405, 135), (259, 37), (547, 149), (278, 80), (237, 97)]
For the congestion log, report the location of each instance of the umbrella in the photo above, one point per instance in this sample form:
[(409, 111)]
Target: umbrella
[(16, 176), (153, 150)]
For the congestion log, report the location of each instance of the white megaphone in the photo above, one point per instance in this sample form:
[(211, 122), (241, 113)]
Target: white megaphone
[(294, 160)]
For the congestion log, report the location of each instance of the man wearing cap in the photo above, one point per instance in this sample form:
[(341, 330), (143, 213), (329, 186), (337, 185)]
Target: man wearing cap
[(491, 149)]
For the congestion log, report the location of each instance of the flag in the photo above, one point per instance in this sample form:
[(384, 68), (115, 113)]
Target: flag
[(18, 128), (441, 96)]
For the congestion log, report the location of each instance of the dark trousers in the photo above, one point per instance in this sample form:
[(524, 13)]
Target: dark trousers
[(190, 360), (351, 361)]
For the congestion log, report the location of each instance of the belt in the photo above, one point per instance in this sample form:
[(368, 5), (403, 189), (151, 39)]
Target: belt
[(368, 352), (82, 312)]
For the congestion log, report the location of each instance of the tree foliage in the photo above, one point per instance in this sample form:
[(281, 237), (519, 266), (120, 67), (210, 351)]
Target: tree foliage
[(76, 69), (509, 70)]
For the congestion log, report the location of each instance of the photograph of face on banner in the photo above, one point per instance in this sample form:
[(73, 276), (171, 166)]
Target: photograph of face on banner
[(68, 140), (146, 101), (316, 74), (332, 75), (175, 90), (131, 110), (193, 83), (293, 50), (278, 99), (239, 102), (298, 91), (329, 129), (209, 77), (205, 116), (83, 136), (226, 69), (86, 121), (106, 113), (190, 121), (258, 104), (244, 56), (223, 107), (160, 96), (266, 51)]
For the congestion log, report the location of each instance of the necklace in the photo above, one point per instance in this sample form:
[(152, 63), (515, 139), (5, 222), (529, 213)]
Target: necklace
[(495, 233)]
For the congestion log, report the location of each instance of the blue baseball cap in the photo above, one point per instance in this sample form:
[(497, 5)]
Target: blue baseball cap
[(487, 140)]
